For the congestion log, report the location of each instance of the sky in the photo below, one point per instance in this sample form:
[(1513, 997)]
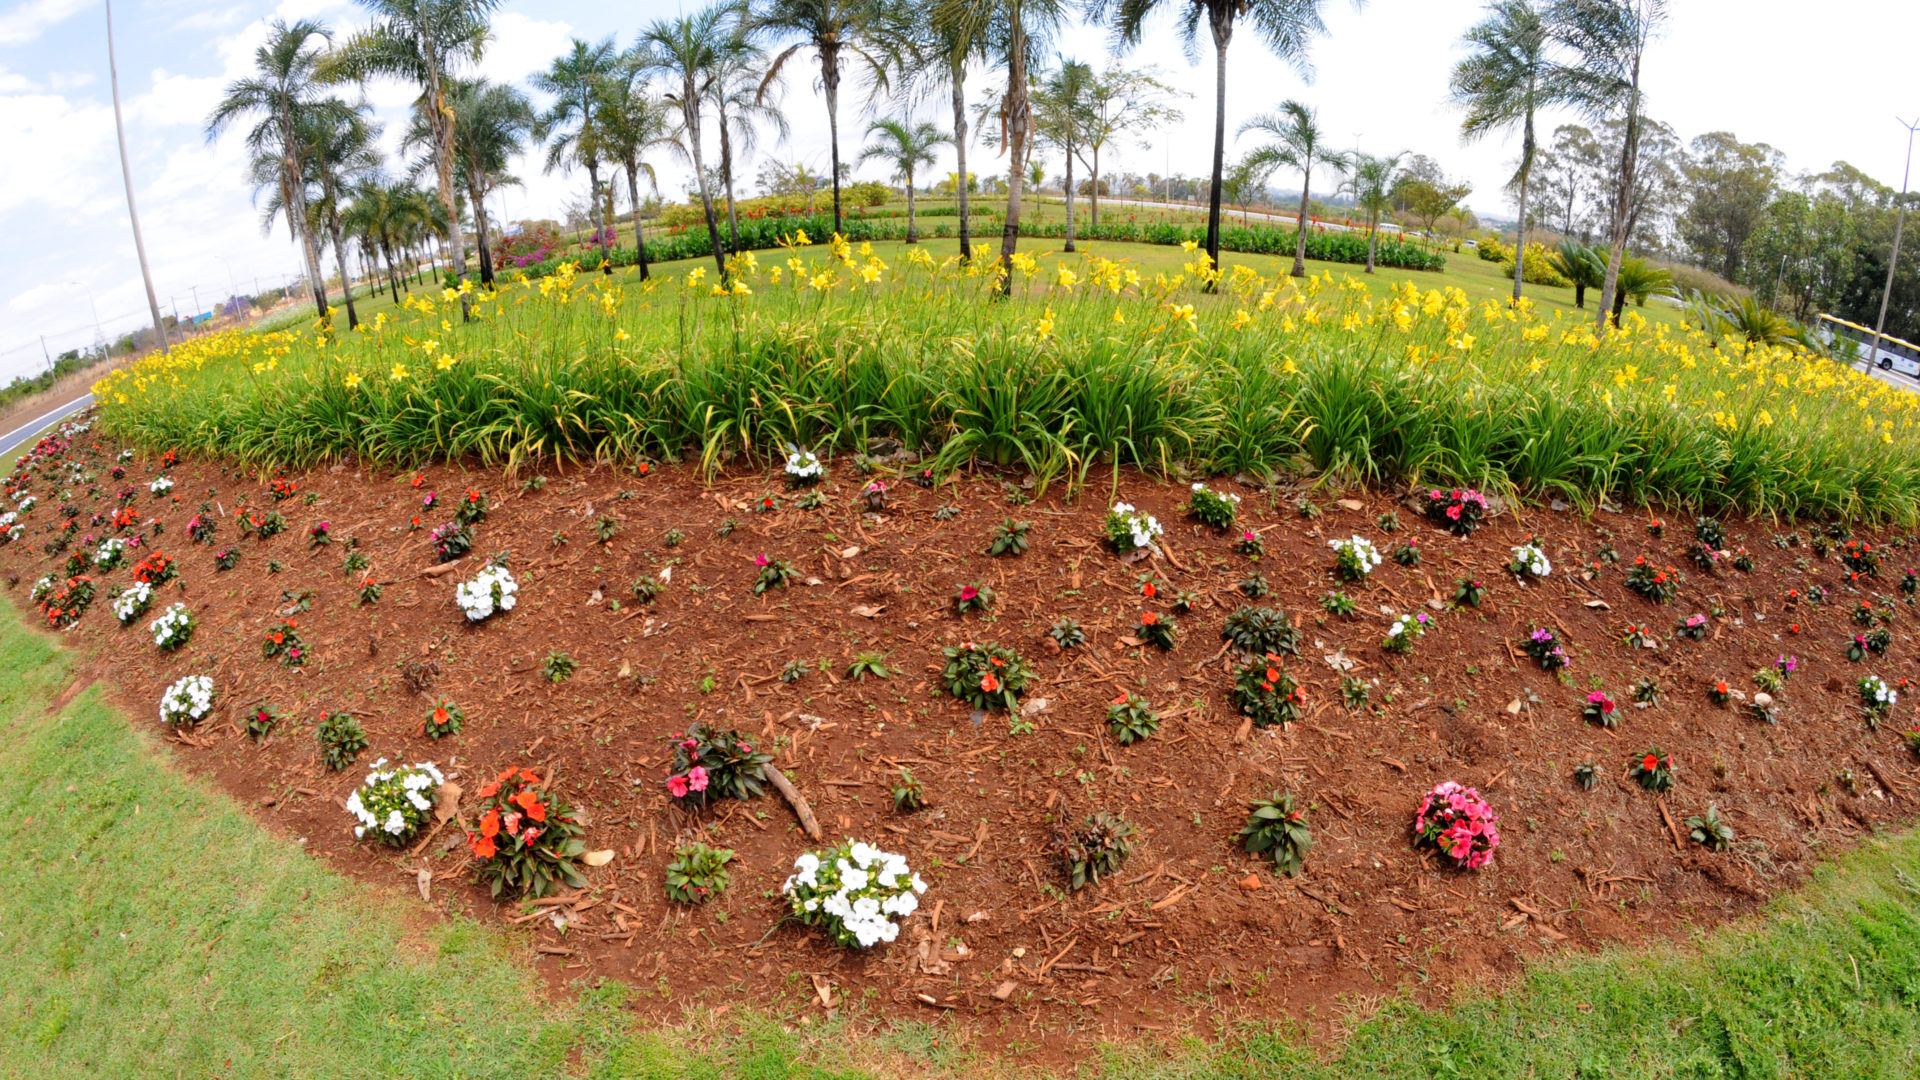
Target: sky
[(1818, 88)]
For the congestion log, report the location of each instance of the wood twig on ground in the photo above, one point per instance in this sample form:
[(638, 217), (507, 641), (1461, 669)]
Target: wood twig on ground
[(796, 800)]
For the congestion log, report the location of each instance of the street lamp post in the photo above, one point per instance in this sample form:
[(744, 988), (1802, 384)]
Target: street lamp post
[(1899, 226), (126, 174)]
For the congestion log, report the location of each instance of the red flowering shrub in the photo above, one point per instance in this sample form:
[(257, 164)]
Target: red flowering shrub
[(67, 601), (155, 569), (525, 841)]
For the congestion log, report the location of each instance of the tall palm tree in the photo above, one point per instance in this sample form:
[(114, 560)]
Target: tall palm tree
[(1287, 27), (491, 125), (740, 110), (687, 50), (568, 127), (1371, 185), (840, 33), (1506, 77), (423, 42), (946, 48), (1609, 39), (282, 93), (1060, 109), (1017, 30), (906, 146), (374, 214), (1298, 144), (631, 124), (340, 150)]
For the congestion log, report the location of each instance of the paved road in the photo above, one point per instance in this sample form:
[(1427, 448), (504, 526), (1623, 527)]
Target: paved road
[(26, 432)]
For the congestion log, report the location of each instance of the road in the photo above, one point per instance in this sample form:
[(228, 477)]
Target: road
[(27, 431)]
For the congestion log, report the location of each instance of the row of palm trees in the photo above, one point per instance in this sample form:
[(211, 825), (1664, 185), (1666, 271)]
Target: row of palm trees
[(715, 72)]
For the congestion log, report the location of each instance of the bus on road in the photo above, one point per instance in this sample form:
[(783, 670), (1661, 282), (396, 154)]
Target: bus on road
[(1851, 340)]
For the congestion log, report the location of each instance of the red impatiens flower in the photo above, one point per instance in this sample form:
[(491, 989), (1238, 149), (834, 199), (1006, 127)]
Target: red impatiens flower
[(1650, 762), (989, 682), (1149, 619), (490, 824), (484, 847)]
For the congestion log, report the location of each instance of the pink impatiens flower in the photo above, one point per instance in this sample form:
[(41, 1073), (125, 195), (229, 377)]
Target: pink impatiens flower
[(761, 560), (697, 778), (677, 786)]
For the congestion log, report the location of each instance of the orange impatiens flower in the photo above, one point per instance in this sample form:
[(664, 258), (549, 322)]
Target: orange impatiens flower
[(989, 683), (490, 824), (484, 847), (440, 715)]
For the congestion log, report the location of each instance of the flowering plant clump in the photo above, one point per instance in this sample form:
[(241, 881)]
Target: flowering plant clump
[(174, 627), (201, 527), (1656, 583), (524, 839), (1530, 561), (283, 643), (1129, 530), (10, 528), (803, 467), (1130, 718), (1095, 849), (341, 739), (1599, 709), (281, 490), (445, 719), (1864, 614), (261, 722), (132, 602), (1213, 508), (1338, 603), (1458, 823), (1720, 692), (985, 676), (1859, 557), (1544, 647), (1404, 631), (187, 701), (271, 523), (1710, 532), (226, 558), (715, 763), (1266, 694), (1407, 554), (1469, 591), (1457, 511), (698, 873), (451, 541), (492, 591), (973, 596), (161, 486), (472, 509), (65, 601), (1354, 558), (774, 574), (768, 504), (1157, 631), (1743, 561), (1639, 636), (1909, 578), (1876, 696), (1693, 627), (110, 552), (319, 534), (853, 891), (394, 803), (1277, 828), (1250, 545), (875, 494), (1653, 771)]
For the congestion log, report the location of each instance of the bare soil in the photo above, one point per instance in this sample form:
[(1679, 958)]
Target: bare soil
[(1193, 934)]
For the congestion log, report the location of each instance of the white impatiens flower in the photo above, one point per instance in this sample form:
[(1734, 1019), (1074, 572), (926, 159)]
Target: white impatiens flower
[(803, 465), (132, 602), (173, 628), (27, 504), (109, 553), (1129, 529), (1355, 557), (1530, 561), (855, 891), (393, 803), (492, 591), (161, 486), (10, 528), (187, 701)]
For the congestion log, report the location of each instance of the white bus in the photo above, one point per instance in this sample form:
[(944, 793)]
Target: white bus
[(1852, 341)]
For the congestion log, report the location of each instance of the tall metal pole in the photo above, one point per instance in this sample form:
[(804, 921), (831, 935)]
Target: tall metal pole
[(126, 174), (1899, 226)]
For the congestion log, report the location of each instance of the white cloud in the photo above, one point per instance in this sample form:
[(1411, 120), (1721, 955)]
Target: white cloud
[(56, 147), (522, 46), (25, 23)]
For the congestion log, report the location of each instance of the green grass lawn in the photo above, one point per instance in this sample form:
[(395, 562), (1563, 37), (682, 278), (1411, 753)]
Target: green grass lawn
[(155, 930)]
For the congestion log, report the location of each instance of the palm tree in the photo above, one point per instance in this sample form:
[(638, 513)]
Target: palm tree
[(838, 32), (1579, 264), (1371, 185), (1287, 26), (1501, 83), (340, 149), (944, 49), (423, 42), (906, 146), (1298, 144), (1637, 280), (740, 109), (568, 127), (1060, 108), (491, 124), (1609, 39), (374, 215), (631, 124), (282, 93), (688, 49)]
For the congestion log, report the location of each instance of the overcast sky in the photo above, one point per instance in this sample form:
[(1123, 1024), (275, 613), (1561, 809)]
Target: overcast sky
[(1819, 84)]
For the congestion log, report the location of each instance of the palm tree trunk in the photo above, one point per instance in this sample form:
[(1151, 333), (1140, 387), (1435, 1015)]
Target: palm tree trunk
[(911, 238), (1373, 238), (1300, 224), (1617, 248), (690, 109), (393, 280), (1018, 107), (340, 260), (1069, 191), (726, 177), (639, 238), (442, 128), (957, 75), (1222, 20), (297, 211), (1093, 191), (481, 234), (1520, 239), (830, 80), (599, 217)]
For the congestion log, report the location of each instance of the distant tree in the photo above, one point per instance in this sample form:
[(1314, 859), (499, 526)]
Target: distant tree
[(687, 50), (632, 124), (1565, 171), (568, 126), (1299, 144), (1117, 105), (1728, 185), (1060, 109), (1371, 185), (906, 146)]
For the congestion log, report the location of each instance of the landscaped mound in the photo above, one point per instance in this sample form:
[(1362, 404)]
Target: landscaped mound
[(1096, 784), (1090, 364)]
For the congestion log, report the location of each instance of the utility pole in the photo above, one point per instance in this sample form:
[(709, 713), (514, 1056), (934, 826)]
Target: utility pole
[(1899, 226), (45, 353), (196, 301), (126, 174)]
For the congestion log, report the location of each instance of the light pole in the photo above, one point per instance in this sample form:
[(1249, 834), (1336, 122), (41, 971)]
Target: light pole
[(1899, 226), (126, 174)]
